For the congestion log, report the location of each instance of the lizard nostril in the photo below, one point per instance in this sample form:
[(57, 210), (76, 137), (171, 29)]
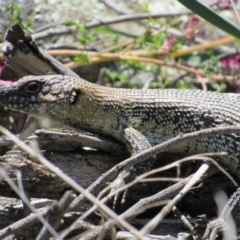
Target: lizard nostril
[(33, 87), (3, 92)]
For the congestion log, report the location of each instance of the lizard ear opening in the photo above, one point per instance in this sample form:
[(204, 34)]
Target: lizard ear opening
[(74, 97)]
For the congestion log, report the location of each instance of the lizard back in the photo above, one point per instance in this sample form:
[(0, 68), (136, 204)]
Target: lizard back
[(157, 114)]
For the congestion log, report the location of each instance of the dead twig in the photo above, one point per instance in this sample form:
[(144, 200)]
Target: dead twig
[(70, 181), (125, 18), (149, 153), (149, 202), (55, 214)]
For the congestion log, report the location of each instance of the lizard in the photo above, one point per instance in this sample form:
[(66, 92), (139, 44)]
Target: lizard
[(139, 118)]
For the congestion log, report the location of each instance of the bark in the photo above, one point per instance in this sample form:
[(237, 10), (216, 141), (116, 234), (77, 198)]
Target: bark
[(26, 58)]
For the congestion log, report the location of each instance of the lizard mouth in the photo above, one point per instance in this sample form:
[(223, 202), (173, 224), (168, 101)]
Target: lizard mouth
[(17, 102), (10, 97), (25, 95), (21, 102)]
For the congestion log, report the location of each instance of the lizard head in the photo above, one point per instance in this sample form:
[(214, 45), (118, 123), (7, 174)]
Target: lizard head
[(36, 95)]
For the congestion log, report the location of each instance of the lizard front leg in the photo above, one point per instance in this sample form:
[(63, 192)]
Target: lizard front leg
[(136, 142)]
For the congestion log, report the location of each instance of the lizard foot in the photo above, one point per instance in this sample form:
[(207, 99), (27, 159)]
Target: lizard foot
[(120, 182), (228, 222), (125, 177), (221, 225), (118, 196), (214, 229)]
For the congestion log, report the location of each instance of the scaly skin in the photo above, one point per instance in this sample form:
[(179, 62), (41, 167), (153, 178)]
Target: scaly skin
[(137, 118)]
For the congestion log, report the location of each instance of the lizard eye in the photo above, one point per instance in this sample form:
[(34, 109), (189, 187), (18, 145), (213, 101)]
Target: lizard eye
[(33, 87)]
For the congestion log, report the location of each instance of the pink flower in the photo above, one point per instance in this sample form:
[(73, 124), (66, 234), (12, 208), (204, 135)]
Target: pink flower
[(3, 82), (168, 44), (223, 4), (2, 65), (190, 32), (231, 65)]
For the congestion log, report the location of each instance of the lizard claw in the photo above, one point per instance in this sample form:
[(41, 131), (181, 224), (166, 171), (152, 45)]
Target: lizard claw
[(220, 225), (228, 222), (125, 177), (115, 186), (214, 228)]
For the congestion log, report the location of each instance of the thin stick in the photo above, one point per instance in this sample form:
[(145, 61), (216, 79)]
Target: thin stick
[(147, 154), (159, 217), (72, 183)]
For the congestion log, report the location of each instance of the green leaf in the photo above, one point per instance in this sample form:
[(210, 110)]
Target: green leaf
[(83, 58), (115, 39), (116, 31), (113, 75), (212, 17), (219, 87), (69, 24)]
